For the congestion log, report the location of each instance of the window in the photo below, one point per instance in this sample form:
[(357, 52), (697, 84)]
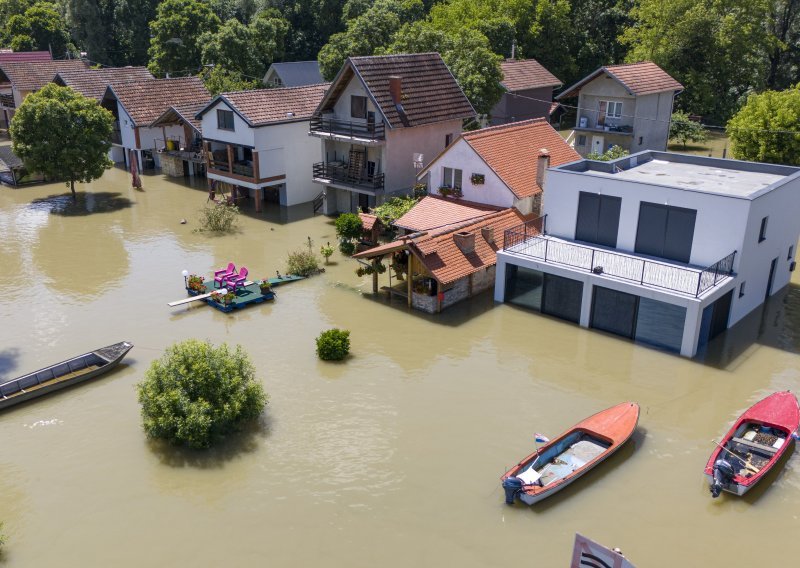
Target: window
[(448, 138), (358, 106), (665, 231), (762, 233), (225, 119), (581, 140), (451, 177), (598, 218), (790, 256), (608, 109), (640, 140), (741, 289)]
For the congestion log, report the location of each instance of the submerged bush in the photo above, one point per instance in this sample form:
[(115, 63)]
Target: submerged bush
[(349, 226), (347, 248), (333, 345), (302, 263), (196, 393), (219, 218)]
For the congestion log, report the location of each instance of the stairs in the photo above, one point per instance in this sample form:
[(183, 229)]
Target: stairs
[(318, 202)]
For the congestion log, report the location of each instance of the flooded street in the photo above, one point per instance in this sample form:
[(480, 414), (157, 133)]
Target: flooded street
[(391, 459)]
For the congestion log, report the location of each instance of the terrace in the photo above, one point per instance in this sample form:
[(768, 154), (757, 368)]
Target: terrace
[(327, 127)]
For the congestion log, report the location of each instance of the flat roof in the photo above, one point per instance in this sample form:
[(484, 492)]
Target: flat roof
[(731, 178)]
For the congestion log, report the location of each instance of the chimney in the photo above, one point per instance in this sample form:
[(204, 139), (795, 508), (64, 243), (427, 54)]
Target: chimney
[(488, 234), (465, 241), (543, 162), (395, 88)]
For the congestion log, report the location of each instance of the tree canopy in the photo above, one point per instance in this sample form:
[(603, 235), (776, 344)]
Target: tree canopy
[(767, 128), (682, 129), (35, 27), (63, 135), (175, 43)]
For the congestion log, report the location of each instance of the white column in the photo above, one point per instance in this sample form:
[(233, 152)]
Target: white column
[(691, 329), (500, 280), (586, 303)]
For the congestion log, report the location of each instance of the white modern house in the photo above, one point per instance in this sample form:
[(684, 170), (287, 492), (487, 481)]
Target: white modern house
[(665, 249), (381, 120), (136, 105), (622, 105), (257, 142), (501, 165)]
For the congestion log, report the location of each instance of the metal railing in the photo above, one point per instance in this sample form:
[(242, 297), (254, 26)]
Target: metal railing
[(343, 175), (522, 240), (370, 131), (7, 100)]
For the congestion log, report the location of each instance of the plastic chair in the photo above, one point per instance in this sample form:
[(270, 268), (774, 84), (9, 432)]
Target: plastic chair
[(220, 276), (236, 280)]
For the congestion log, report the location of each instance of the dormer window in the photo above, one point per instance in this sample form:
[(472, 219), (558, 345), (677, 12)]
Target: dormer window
[(358, 106), (225, 119)]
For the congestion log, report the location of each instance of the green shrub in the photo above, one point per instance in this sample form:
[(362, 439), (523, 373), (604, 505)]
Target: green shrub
[(394, 208), (349, 226), (302, 263), (347, 248), (611, 154), (196, 393), (219, 218), (333, 345), (326, 251)]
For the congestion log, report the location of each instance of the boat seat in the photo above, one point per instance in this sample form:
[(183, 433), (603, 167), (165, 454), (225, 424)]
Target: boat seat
[(10, 388), (755, 445), (28, 382)]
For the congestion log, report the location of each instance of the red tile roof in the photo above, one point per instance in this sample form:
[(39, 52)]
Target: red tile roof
[(93, 82), (368, 221), (8, 56), (181, 113), (429, 92), (439, 212), (33, 75), (643, 78), (512, 150), (440, 254), (266, 106), (521, 74), (145, 101)]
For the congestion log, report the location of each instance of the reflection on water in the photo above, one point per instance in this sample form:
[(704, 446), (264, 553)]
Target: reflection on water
[(392, 458)]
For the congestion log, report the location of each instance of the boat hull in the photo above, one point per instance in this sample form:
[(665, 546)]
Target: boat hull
[(112, 355), (609, 429)]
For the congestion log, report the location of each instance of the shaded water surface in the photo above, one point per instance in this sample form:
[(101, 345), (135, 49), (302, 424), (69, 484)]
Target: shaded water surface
[(391, 459)]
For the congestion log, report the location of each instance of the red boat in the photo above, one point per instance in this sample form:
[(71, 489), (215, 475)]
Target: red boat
[(563, 460), (754, 444)]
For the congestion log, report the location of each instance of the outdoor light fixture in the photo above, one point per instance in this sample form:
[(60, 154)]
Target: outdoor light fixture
[(185, 274)]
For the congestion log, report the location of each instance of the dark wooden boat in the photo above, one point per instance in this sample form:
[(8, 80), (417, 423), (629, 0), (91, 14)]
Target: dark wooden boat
[(563, 460), (61, 375), (755, 443)]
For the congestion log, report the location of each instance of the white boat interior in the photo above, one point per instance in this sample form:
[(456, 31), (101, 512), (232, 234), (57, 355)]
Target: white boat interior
[(563, 458)]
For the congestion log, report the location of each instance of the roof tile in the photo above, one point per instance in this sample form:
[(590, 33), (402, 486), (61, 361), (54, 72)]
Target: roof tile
[(434, 212), (264, 106), (521, 74), (93, 82), (642, 78), (145, 101), (8, 56), (33, 75)]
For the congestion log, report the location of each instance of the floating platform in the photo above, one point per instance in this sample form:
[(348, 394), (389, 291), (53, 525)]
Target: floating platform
[(250, 293)]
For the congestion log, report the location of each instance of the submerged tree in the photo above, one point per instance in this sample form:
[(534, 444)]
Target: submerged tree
[(62, 134)]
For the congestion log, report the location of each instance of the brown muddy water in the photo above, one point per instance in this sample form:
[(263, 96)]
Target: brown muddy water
[(391, 459)]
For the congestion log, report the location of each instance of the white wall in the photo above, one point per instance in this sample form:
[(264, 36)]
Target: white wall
[(126, 128), (462, 156), (403, 143), (241, 134), (718, 225), (341, 109), (287, 149)]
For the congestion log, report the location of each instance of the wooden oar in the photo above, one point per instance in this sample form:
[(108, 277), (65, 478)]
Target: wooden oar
[(747, 465)]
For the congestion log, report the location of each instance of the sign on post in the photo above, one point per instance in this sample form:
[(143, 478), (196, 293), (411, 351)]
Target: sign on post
[(588, 554)]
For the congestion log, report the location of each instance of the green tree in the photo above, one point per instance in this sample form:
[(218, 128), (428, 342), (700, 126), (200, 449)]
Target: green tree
[(784, 58), (219, 80), (179, 24), (611, 154), (196, 393), (63, 135), (40, 28), (683, 130), (767, 128)]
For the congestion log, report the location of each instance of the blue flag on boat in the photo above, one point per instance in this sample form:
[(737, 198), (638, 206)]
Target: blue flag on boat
[(541, 438)]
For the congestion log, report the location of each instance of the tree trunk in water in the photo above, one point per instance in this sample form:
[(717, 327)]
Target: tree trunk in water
[(72, 188)]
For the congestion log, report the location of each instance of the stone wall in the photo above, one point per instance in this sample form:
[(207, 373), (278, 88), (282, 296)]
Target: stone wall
[(424, 303), (483, 280), (171, 166), (458, 292)]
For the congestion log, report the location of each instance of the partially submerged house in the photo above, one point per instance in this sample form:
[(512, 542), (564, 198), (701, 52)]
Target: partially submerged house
[(528, 92), (92, 83), (502, 165), (257, 142), (136, 105), (379, 122), (665, 249), (293, 74), (629, 106), (13, 171), (444, 266), (20, 78), (181, 154)]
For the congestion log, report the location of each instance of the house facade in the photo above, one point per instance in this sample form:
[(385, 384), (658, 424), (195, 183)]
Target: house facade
[(19, 78), (136, 105), (293, 74), (623, 105), (528, 92), (257, 142), (181, 155), (502, 165), (665, 249), (382, 117)]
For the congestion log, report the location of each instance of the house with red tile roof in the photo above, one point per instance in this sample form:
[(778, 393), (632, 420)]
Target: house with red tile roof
[(136, 105), (382, 119), (257, 143), (436, 212), (7, 56), (445, 265), (622, 105), (92, 83), (528, 92), (20, 77), (502, 166), (181, 153)]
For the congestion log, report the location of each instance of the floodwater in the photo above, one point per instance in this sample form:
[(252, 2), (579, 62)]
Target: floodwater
[(390, 459)]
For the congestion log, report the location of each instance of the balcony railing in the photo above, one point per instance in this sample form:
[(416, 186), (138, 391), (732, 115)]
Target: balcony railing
[(686, 280), (369, 131), (238, 169), (7, 100), (341, 174)]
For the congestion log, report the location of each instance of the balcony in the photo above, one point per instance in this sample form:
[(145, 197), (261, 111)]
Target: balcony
[(7, 100), (325, 127), (527, 241), (242, 169), (340, 174)]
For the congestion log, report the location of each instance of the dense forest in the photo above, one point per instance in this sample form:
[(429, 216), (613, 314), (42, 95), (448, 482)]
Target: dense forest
[(721, 50)]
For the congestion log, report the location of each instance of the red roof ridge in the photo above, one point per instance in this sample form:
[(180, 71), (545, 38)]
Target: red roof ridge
[(274, 89), (510, 126)]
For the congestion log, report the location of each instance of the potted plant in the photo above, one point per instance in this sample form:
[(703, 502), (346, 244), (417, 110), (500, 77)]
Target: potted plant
[(217, 297), (227, 299), (477, 179), (196, 284), (265, 286)]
